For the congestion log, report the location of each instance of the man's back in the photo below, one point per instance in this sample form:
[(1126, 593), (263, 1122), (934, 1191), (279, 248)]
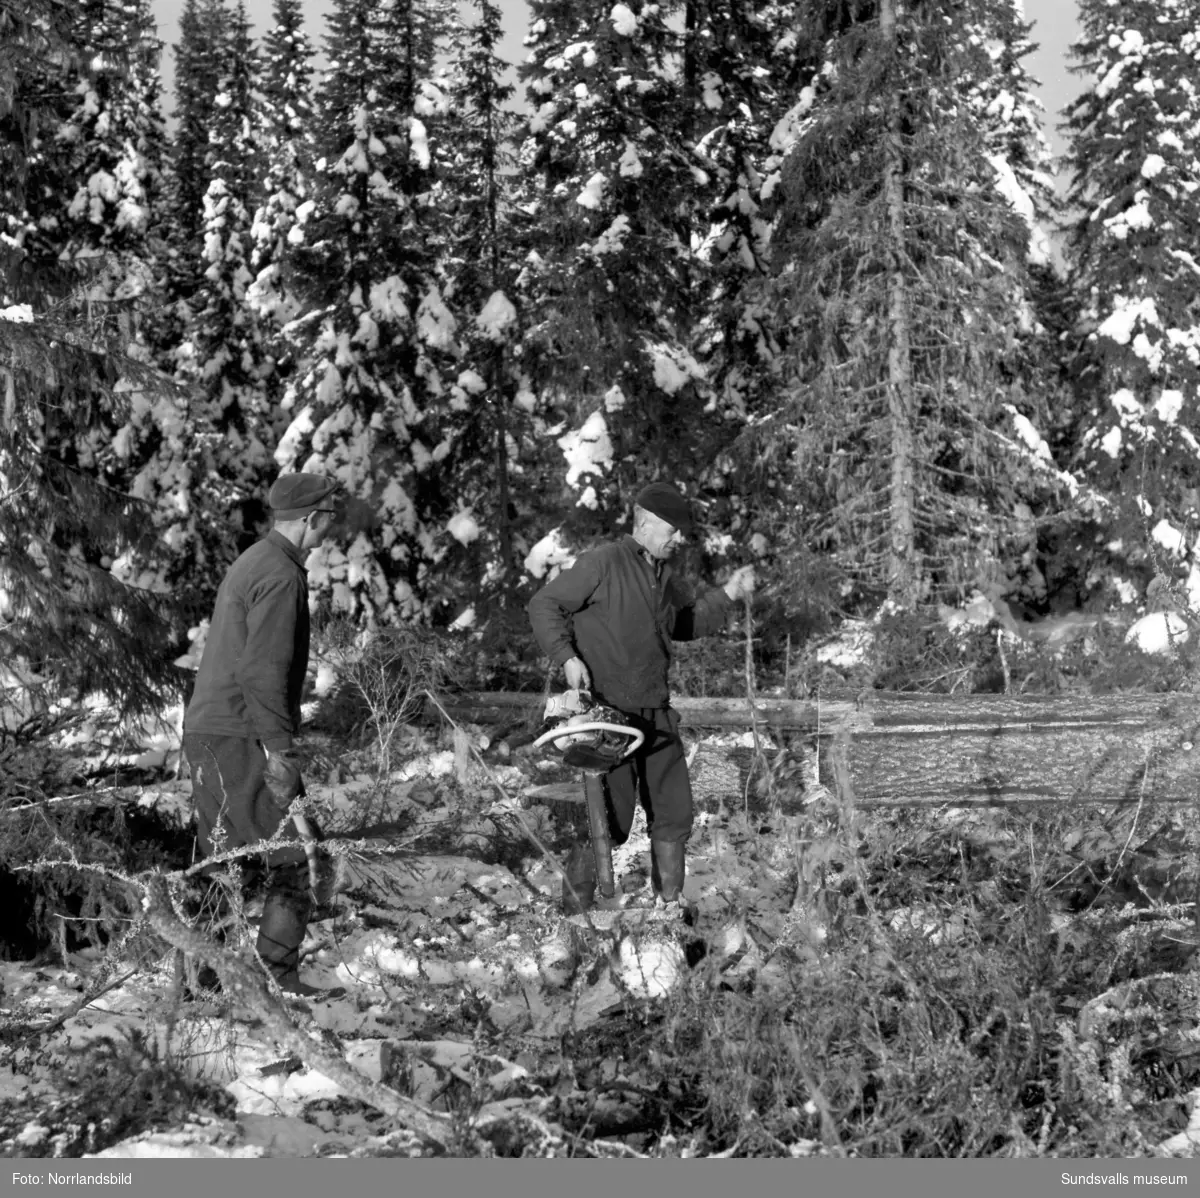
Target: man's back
[(256, 655)]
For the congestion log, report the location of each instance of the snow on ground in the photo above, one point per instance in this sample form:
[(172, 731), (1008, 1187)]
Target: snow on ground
[(99, 740), (1158, 632), (435, 917), (850, 646), (447, 904)]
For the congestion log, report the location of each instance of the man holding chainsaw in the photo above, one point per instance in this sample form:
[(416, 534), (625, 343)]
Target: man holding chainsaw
[(609, 621), (244, 714)]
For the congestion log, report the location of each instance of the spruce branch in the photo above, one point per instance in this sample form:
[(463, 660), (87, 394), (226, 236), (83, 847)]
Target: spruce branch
[(247, 985)]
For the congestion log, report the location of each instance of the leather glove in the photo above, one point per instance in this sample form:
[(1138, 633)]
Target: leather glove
[(282, 775)]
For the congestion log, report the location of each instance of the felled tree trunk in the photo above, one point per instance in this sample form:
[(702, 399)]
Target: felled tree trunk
[(975, 749), (1001, 749)]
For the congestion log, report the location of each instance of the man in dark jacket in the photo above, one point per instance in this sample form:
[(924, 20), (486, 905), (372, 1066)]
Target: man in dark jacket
[(244, 714), (609, 621)]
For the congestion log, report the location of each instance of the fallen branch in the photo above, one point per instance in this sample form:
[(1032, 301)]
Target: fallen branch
[(86, 796), (246, 984)]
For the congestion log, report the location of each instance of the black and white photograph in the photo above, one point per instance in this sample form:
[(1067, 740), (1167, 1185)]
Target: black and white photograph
[(600, 581)]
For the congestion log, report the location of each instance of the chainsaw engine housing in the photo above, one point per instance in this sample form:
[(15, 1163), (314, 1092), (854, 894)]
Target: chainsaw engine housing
[(593, 748)]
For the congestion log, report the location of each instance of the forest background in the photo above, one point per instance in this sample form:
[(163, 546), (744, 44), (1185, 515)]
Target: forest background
[(813, 261), (1054, 26)]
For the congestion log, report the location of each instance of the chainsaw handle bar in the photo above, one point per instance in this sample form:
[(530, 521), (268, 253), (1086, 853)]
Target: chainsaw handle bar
[(639, 737)]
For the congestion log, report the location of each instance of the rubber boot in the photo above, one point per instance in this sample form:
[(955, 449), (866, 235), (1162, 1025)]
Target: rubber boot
[(281, 932), (667, 869)]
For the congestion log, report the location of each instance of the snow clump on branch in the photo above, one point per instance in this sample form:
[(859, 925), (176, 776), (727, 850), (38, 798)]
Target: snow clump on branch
[(496, 317), (435, 320), (674, 368), (463, 527), (588, 449), (1021, 203), (591, 195), (549, 555), (623, 20), (612, 240)]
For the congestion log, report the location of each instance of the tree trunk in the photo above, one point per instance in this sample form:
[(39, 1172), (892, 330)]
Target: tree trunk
[(903, 570), (503, 521), (496, 361), (994, 750), (984, 750), (691, 72)]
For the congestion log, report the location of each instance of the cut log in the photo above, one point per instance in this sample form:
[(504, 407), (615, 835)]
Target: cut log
[(490, 708), (899, 749), (503, 707), (999, 749)]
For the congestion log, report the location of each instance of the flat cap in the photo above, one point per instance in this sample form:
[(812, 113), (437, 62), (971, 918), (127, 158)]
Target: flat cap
[(665, 501), (295, 495)]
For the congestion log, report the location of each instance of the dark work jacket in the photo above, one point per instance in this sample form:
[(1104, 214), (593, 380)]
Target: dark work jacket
[(611, 610), (256, 655)]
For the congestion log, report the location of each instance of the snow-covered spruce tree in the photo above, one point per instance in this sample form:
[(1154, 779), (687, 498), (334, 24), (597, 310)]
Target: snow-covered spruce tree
[(376, 330), (618, 292), (287, 127), (648, 167), (903, 280), (489, 435), (201, 466), (1011, 117), (117, 143), (35, 167), (78, 603), (1057, 559), (201, 58), (742, 71), (223, 357), (1134, 262), (116, 139)]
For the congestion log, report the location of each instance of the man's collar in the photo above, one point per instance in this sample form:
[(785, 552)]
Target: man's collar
[(637, 547), (278, 539), (654, 563)]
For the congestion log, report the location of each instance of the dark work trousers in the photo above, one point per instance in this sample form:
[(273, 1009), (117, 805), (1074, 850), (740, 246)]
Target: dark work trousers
[(235, 808), (230, 793), (657, 774)]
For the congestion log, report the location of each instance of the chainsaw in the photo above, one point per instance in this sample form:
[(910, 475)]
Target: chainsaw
[(592, 738)]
